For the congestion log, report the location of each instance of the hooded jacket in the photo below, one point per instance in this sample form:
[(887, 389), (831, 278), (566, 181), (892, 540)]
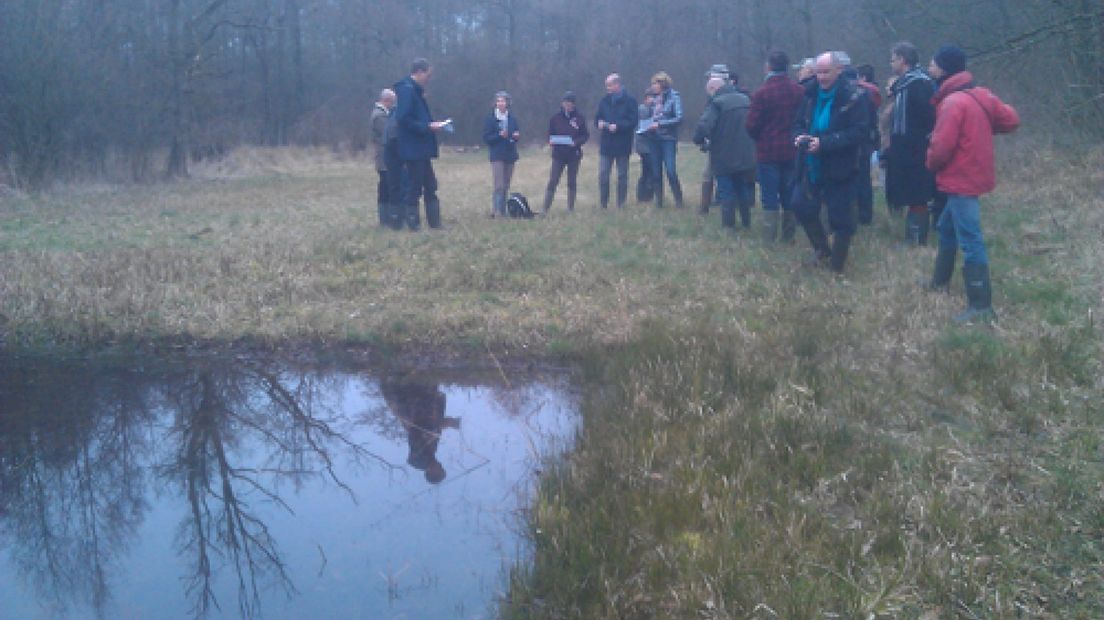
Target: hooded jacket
[(961, 149), (731, 149)]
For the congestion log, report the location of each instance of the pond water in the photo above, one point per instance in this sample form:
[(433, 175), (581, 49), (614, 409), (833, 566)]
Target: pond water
[(243, 486)]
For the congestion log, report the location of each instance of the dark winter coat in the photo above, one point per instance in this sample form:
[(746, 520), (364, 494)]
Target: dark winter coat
[(620, 110), (499, 148), (848, 130), (908, 181), (378, 121), (416, 140), (731, 149), (573, 125), (770, 119)]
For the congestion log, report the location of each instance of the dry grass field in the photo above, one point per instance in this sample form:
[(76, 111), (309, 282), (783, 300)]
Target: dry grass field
[(760, 440)]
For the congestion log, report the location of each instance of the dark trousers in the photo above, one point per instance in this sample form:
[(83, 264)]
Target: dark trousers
[(835, 196), (558, 166), (420, 182), (864, 188), (605, 164), (645, 186), (393, 213)]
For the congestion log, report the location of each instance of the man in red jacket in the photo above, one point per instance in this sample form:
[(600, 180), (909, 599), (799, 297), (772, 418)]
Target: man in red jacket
[(961, 156), (768, 122)]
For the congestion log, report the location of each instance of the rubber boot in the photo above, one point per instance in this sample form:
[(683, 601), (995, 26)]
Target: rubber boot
[(728, 214), (676, 191), (706, 197), (814, 230), (841, 244), (943, 270), (770, 225), (433, 214), (549, 195), (979, 296), (603, 194), (789, 226), (413, 222), (917, 226), (745, 216), (394, 216)]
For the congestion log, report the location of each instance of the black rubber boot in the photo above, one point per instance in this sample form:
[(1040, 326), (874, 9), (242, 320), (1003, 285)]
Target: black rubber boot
[(979, 296), (745, 216), (571, 198), (706, 196), (728, 214), (413, 222), (770, 225), (917, 226), (789, 226), (433, 214), (394, 216), (676, 191), (814, 230), (603, 194), (943, 270), (841, 244)]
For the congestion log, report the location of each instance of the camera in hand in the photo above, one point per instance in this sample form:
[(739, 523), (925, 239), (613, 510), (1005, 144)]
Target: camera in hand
[(803, 142)]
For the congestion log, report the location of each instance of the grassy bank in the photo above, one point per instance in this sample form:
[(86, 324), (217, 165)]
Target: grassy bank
[(761, 440), (840, 451)]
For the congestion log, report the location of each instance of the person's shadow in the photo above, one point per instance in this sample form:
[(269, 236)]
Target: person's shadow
[(420, 407)]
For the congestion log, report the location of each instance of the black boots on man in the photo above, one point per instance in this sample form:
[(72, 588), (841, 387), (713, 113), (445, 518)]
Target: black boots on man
[(979, 296)]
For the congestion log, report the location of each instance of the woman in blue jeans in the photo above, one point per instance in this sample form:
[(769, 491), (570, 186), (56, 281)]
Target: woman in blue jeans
[(663, 135)]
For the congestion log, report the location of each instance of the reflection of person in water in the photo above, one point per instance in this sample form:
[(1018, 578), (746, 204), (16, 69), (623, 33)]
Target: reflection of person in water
[(420, 407)]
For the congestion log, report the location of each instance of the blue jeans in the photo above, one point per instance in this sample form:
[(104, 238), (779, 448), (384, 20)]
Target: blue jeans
[(735, 186), (960, 227), (774, 184), (663, 157)]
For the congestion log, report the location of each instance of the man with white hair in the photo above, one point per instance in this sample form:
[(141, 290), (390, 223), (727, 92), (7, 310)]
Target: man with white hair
[(381, 113), (829, 130), (731, 151)]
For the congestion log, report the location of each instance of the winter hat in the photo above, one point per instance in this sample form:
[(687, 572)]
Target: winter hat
[(570, 96), (951, 59)]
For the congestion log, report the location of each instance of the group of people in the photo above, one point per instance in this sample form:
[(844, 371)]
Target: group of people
[(809, 144)]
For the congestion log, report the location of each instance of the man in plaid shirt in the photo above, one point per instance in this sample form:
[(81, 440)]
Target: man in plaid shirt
[(769, 122)]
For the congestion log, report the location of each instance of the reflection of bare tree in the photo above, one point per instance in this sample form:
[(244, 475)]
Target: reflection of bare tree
[(71, 483), (218, 411)]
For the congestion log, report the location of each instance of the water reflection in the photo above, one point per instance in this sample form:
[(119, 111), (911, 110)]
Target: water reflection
[(420, 408), (264, 486)]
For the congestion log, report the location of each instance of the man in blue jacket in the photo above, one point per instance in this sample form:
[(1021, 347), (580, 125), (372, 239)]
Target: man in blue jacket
[(616, 120), (417, 145)]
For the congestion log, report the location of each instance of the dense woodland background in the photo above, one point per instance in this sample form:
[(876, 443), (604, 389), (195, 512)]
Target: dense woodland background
[(137, 89)]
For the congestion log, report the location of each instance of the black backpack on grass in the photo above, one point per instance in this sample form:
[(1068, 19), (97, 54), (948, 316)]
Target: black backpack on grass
[(518, 206)]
